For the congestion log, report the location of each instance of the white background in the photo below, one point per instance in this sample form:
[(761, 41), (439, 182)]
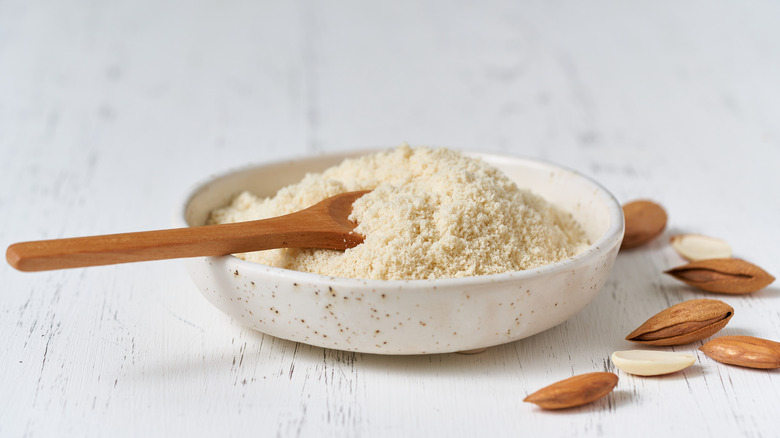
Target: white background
[(110, 111)]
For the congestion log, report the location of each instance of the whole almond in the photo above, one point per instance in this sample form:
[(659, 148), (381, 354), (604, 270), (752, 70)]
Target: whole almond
[(683, 323), (698, 247), (645, 220), (574, 391), (728, 276), (744, 351)]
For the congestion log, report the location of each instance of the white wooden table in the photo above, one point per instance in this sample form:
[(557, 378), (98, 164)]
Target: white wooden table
[(111, 111)]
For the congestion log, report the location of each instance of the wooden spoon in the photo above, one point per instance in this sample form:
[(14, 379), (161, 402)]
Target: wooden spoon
[(323, 225)]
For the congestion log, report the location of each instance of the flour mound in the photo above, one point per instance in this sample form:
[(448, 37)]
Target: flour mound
[(433, 213)]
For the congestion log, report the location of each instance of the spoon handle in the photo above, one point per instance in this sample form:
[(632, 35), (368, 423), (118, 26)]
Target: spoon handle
[(291, 231)]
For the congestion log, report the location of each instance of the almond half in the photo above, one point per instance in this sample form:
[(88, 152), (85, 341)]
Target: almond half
[(683, 323), (744, 351), (651, 362), (574, 391), (645, 220), (698, 247), (728, 276)]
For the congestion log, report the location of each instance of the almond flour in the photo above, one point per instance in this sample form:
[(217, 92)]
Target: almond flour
[(433, 213)]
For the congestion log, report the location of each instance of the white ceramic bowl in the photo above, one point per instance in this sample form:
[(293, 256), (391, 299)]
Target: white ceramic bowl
[(415, 316)]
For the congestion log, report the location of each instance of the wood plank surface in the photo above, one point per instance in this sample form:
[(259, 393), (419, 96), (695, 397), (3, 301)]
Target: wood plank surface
[(111, 111)]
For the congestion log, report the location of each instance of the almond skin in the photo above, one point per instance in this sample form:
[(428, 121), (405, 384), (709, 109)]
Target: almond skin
[(728, 276), (744, 351), (683, 323), (645, 220), (574, 391)]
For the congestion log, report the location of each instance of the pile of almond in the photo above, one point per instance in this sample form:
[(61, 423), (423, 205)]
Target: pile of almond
[(711, 268)]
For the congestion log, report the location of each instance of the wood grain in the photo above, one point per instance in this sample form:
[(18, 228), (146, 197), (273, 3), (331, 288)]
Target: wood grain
[(111, 111)]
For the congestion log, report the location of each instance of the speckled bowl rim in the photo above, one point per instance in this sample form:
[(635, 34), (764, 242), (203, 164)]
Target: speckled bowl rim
[(613, 236)]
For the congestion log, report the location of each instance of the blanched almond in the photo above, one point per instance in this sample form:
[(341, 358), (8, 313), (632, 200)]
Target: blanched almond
[(698, 247), (650, 362)]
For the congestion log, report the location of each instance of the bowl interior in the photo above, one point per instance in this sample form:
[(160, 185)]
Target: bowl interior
[(592, 206), (595, 209), (264, 180)]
